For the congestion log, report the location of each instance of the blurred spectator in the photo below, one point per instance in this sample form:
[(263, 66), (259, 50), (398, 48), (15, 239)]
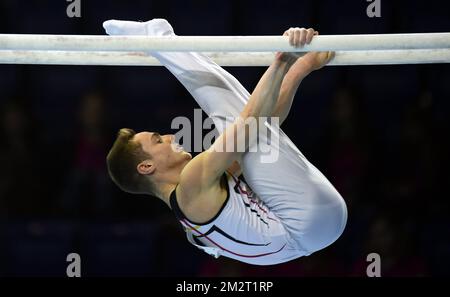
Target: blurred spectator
[(415, 165), (347, 146), (21, 159), (87, 189), (222, 267), (396, 248)]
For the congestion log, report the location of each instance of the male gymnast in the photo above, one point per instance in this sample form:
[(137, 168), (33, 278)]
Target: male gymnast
[(283, 210)]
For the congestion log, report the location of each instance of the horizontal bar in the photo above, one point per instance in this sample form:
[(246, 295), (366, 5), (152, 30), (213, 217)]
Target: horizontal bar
[(222, 43), (223, 59)]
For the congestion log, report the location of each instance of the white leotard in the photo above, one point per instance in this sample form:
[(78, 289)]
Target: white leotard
[(244, 229)]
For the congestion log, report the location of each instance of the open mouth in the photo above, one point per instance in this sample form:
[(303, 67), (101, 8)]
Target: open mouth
[(177, 147)]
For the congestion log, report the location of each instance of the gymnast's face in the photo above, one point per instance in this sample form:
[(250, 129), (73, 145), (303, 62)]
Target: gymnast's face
[(165, 153)]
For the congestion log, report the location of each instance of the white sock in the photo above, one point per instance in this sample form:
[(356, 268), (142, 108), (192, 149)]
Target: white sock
[(154, 27)]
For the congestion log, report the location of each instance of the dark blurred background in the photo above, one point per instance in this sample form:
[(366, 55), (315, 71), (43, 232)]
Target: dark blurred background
[(379, 133)]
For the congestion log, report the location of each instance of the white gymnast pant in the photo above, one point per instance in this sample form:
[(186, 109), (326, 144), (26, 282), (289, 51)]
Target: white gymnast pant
[(308, 205)]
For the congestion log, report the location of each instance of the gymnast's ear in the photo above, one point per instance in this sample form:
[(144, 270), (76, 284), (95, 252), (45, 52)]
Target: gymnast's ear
[(146, 167)]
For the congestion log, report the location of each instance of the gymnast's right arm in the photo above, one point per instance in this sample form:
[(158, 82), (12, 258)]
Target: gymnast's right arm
[(202, 174)]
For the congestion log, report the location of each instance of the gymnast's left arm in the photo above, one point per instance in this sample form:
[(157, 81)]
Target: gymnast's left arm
[(300, 68)]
